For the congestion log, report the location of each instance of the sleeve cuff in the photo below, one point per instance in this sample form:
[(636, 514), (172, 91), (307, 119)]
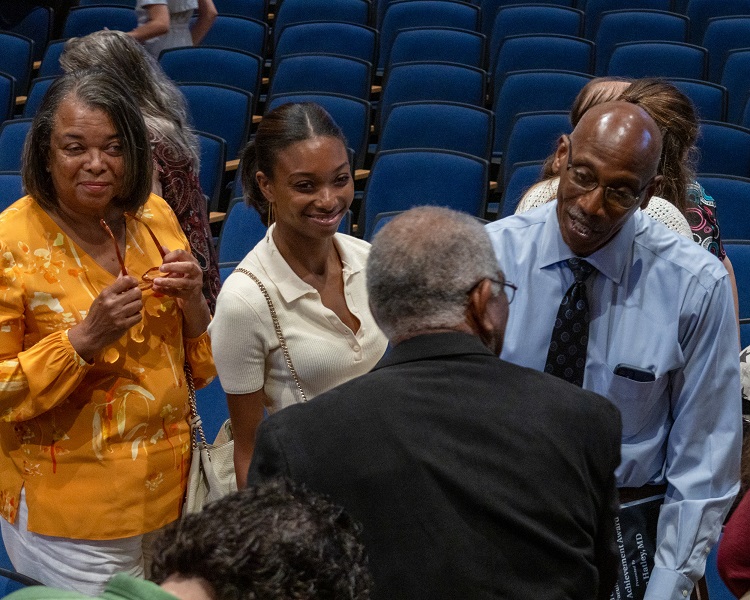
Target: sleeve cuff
[(198, 353), (197, 341), (72, 351), (666, 584)]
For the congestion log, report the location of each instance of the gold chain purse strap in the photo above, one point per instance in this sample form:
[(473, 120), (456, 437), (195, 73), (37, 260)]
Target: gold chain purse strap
[(277, 327), (195, 418)]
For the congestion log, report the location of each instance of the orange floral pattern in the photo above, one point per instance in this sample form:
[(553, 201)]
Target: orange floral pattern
[(103, 449)]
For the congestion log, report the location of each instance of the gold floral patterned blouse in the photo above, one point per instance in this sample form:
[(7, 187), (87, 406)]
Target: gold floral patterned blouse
[(103, 449)]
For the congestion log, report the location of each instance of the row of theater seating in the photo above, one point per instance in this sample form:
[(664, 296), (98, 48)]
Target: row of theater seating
[(315, 73), (441, 126), (372, 12), (375, 45), (344, 83), (333, 77)]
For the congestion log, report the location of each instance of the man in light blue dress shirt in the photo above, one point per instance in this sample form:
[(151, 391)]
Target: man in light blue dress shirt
[(662, 334)]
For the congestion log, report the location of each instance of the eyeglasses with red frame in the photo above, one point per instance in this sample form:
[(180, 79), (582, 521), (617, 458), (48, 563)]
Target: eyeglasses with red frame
[(147, 279)]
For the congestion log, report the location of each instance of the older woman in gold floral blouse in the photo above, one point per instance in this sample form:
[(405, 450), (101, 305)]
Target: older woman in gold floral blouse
[(100, 306)]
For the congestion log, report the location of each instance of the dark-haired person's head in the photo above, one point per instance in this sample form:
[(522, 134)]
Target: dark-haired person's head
[(87, 104), (674, 114), (276, 540), (288, 138)]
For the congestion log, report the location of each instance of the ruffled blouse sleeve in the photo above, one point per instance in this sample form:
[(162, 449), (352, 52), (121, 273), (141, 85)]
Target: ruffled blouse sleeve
[(36, 379), (198, 354)]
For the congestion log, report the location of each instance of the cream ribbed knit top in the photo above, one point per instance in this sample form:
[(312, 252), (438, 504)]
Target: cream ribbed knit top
[(324, 351)]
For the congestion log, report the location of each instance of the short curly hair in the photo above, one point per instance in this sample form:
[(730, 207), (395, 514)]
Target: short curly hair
[(276, 540)]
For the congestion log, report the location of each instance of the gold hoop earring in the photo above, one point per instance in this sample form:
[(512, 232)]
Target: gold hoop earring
[(270, 215)]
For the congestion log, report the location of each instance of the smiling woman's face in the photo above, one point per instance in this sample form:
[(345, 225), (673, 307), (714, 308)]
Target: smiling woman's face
[(311, 187), (85, 161)]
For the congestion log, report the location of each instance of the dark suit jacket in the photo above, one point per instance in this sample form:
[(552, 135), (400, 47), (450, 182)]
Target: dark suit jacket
[(474, 478)]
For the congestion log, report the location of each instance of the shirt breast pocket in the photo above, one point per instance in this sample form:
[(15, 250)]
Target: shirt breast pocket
[(640, 402)]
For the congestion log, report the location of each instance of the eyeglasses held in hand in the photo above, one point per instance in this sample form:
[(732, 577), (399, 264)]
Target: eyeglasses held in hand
[(147, 279)]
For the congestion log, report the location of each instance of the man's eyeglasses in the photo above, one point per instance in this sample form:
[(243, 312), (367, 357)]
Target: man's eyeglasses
[(507, 286), (147, 279), (584, 181)]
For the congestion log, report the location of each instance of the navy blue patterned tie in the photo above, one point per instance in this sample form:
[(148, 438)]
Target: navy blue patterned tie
[(570, 335)]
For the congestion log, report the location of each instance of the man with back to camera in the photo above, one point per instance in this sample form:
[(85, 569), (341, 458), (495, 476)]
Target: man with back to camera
[(461, 494), (662, 337)]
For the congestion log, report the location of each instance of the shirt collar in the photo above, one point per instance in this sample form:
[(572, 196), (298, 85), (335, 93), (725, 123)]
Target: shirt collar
[(610, 260), (290, 286), (432, 346)]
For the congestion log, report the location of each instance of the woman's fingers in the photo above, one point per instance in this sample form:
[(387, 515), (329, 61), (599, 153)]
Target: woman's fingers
[(182, 275)]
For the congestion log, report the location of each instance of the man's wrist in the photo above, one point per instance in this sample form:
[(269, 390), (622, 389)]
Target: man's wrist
[(667, 584)]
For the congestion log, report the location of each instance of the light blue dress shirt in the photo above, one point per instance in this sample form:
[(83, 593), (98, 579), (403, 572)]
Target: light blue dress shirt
[(661, 303)]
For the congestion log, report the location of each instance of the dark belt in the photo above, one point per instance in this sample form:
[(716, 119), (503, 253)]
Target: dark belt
[(631, 494)]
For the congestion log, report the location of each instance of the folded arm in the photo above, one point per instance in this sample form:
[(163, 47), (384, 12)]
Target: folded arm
[(207, 14)]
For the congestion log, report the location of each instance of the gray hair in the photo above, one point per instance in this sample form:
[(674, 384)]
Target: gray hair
[(98, 90), (161, 102), (422, 266)]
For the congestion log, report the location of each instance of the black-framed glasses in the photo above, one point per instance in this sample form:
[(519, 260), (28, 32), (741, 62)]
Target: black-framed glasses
[(508, 287), (147, 279), (585, 182)]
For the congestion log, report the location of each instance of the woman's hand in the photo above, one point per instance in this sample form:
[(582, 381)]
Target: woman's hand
[(182, 278), (112, 313)]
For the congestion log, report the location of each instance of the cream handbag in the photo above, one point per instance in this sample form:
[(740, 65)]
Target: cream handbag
[(211, 473)]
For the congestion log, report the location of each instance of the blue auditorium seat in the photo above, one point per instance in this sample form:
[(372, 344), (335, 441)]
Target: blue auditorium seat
[(401, 179)]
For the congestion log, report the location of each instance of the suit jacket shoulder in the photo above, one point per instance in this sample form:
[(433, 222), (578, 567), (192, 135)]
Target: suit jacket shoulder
[(464, 469)]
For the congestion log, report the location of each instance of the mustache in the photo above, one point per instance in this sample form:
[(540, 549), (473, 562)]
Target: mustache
[(590, 222)]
